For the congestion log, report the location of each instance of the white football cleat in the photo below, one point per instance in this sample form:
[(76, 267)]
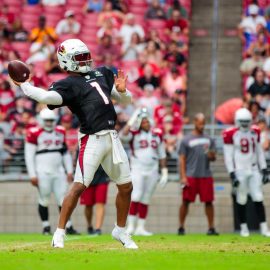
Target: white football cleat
[(264, 229), (124, 238), (244, 232), (142, 232), (58, 240)]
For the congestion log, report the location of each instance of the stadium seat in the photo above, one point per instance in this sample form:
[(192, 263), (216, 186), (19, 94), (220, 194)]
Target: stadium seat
[(22, 48), (156, 24), (28, 9)]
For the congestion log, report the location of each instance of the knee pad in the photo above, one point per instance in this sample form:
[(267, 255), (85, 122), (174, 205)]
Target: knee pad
[(257, 196), (146, 198), (136, 196), (44, 201), (241, 199)]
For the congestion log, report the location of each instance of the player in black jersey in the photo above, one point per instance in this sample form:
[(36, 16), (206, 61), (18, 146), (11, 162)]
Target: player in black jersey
[(87, 92)]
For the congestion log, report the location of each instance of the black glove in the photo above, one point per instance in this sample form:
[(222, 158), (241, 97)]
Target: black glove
[(265, 178), (235, 181)]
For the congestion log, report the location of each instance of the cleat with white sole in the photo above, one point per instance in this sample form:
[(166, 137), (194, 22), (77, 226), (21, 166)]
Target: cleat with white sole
[(58, 240), (244, 232), (264, 229), (124, 238), (142, 232)]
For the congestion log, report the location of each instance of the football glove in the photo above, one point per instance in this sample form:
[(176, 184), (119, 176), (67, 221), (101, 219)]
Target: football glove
[(235, 181), (164, 177), (265, 178)]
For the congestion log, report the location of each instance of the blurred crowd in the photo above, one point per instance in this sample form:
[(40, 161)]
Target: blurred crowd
[(148, 39)]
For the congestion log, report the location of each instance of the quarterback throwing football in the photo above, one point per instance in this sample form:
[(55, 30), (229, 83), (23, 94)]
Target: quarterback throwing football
[(87, 92), (245, 162)]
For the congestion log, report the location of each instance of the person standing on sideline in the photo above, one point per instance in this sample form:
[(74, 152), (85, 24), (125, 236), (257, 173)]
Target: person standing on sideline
[(196, 152), (95, 195)]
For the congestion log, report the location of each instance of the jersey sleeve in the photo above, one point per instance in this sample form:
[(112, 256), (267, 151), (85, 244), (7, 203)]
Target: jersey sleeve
[(32, 135), (228, 135), (183, 148), (257, 130), (109, 76), (65, 90)]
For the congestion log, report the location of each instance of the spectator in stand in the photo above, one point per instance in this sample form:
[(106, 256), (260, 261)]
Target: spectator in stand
[(52, 65), (32, 2), (18, 32), (121, 5), (267, 18), (248, 64), (131, 51), (37, 34), (4, 32), (259, 90), (108, 29), (176, 24), (256, 111), (94, 6), (130, 27), (116, 16), (265, 137), (148, 77), (260, 45), (6, 16), (7, 97), (41, 51), (148, 100), (53, 2), (107, 47), (154, 35), (173, 57), (71, 135), (249, 25), (172, 81), (179, 102), (225, 112), (153, 53), (155, 11), (68, 25), (176, 5)]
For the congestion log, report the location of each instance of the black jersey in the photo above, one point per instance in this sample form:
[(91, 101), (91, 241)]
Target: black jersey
[(88, 96)]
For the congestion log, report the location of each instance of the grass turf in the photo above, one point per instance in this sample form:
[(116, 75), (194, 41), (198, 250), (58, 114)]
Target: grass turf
[(230, 252)]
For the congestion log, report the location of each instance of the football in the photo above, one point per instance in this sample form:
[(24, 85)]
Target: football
[(18, 71)]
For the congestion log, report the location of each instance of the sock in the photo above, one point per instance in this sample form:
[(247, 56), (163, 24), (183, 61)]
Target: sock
[(260, 211), (43, 212), (241, 209), (133, 210), (69, 224), (60, 231), (143, 209), (141, 222), (45, 224), (243, 226), (119, 229)]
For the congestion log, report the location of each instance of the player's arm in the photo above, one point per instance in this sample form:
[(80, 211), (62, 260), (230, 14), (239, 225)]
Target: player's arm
[(41, 95), (262, 162), (212, 151), (163, 165), (182, 168), (29, 155)]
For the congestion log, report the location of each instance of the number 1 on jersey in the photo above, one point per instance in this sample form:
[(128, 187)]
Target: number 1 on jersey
[(97, 86)]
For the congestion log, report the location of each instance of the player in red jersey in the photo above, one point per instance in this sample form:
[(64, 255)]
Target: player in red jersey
[(245, 162)]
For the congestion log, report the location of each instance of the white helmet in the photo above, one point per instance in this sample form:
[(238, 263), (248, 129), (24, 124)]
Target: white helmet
[(243, 119), (143, 114), (45, 116), (73, 55)]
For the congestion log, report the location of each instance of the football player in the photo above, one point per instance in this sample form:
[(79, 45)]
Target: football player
[(245, 162), (147, 151), (87, 92), (45, 155)]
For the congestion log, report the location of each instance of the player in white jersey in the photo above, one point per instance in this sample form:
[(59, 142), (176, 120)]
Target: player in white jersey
[(245, 162), (147, 151), (45, 155)]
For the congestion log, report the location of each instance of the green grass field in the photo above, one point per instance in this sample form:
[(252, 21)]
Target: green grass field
[(32, 251)]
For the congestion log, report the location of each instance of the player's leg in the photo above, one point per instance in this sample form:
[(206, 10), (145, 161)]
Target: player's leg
[(255, 187), (241, 201), (44, 192), (90, 155), (100, 199), (188, 196), (138, 183), (60, 187), (206, 192), (150, 183), (120, 174), (87, 199)]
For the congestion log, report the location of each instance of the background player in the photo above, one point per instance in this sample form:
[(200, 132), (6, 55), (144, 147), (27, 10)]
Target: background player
[(147, 151), (196, 151), (88, 92), (45, 155), (245, 162), (95, 195)]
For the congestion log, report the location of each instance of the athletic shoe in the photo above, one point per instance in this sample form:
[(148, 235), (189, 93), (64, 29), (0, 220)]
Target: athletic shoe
[(181, 231), (124, 238), (47, 230), (142, 232), (244, 232), (71, 231), (97, 232), (58, 240), (90, 230), (264, 229), (212, 231)]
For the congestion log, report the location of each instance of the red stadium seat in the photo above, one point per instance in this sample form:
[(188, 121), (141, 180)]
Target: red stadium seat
[(49, 10), (22, 48), (28, 9), (157, 24)]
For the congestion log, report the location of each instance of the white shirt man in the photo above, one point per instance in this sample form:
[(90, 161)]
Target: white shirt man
[(68, 25)]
